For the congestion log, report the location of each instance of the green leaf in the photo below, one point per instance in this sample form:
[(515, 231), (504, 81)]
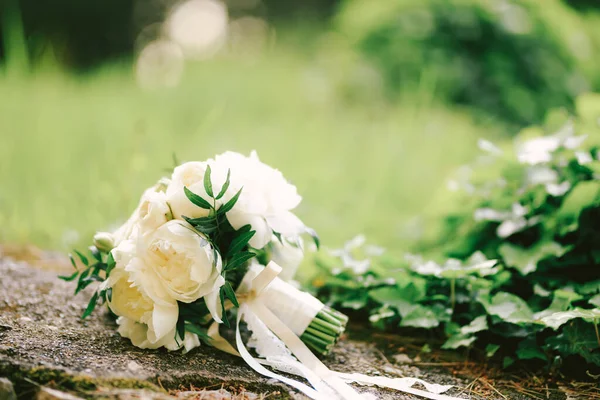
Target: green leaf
[(73, 261), (460, 340), (314, 236), (508, 307), (585, 194), (561, 302), (180, 328), (82, 283), (507, 362), (83, 258), (198, 330), (70, 277), (229, 205), (207, 182), (197, 200), (491, 349), (393, 295), (202, 221), (239, 242), (229, 292), (477, 325), (557, 319), (96, 253), (110, 264), (595, 301), (91, 305), (225, 185), (578, 338), (223, 311), (238, 259), (529, 349), (420, 317), (526, 260)]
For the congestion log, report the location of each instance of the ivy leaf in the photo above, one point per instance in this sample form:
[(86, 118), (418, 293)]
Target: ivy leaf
[(91, 305), (197, 200), (229, 292), (225, 186), (595, 301), (585, 194), (557, 319), (525, 260), (491, 349), (578, 338), (477, 325), (508, 307), (420, 317), (229, 205), (393, 295), (207, 182), (460, 340), (528, 349)]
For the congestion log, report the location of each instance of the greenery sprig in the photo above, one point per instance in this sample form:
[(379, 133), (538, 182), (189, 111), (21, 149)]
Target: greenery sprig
[(96, 270), (229, 244)]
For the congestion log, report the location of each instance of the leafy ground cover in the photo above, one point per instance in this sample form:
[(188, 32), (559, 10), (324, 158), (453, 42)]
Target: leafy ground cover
[(513, 268)]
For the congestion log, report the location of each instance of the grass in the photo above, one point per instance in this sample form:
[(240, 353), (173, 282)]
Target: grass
[(77, 152)]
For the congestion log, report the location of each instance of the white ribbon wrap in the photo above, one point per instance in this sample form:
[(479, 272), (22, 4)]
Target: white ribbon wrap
[(283, 350), (297, 309)]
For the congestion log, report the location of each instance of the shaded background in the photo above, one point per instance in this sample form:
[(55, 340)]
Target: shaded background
[(366, 106)]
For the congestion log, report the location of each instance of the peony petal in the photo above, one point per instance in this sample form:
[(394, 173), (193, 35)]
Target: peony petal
[(286, 223), (164, 320), (213, 302)]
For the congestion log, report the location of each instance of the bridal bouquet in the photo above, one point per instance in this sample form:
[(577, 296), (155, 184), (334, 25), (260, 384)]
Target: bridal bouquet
[(219, 239)]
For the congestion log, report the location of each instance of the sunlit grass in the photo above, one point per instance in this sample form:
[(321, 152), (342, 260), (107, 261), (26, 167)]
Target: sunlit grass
[(76, 153)]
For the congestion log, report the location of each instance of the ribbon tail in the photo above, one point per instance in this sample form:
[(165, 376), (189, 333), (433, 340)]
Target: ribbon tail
[(255, 365), (303, 353), (400, 384)]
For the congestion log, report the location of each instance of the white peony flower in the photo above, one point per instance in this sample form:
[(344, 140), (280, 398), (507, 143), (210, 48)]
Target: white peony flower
[(138, 334), (190, 175), (128, 300), (151, 212), (266, 200), (175, 263)]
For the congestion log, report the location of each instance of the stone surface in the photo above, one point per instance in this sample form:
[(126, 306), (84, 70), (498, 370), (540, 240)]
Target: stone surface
[(44, 342), (7, 391)]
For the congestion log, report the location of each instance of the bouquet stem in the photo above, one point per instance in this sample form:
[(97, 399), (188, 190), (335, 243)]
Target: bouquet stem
[(325, 330)]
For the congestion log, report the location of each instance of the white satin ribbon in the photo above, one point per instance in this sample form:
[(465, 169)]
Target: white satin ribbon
[(326, 384)]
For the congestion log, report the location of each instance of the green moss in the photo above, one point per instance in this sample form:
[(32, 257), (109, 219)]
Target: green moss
[(26, 380)]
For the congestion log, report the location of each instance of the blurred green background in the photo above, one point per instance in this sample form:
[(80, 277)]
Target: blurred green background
[(366, 106)]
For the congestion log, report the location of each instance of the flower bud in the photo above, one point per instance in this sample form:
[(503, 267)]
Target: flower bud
[(161, 185), (104, 241)]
